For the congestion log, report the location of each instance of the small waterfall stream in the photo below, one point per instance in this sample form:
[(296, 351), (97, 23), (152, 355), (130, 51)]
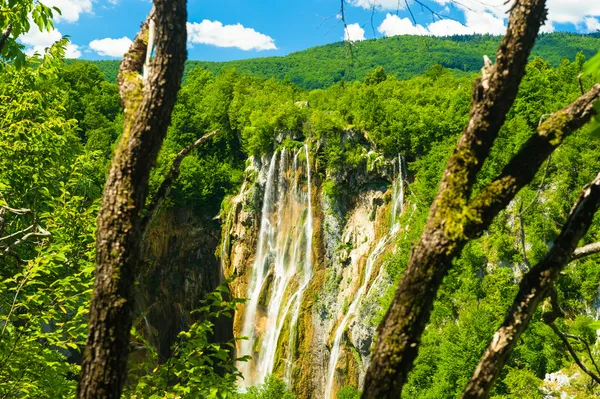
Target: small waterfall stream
[(397, 207), (282, 269)]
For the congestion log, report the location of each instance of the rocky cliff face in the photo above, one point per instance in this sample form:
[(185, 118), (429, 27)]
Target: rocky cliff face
[(309, 256), (178, 268)]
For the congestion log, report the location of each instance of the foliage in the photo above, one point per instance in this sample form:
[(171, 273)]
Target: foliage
[(593, 67), (401, 56), (198, 367), (45, 284), (19, 15), (348, 392), (272, 388), (58, 130)]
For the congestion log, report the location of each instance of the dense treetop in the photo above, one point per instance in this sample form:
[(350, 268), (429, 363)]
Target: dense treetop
[(401, 56), (59, 128)]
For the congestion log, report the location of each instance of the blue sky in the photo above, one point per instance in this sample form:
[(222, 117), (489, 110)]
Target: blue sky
[(235, 29)]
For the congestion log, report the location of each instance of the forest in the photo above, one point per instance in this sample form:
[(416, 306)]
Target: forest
[(403, 56), (276, 227)]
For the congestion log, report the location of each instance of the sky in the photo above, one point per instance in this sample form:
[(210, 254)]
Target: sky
[(223, 30)]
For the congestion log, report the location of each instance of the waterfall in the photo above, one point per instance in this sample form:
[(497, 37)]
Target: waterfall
[(396, 212), (282, 269)]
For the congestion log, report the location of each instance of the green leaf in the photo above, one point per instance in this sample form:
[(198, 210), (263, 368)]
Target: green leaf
[(592, 65), (595, 325)]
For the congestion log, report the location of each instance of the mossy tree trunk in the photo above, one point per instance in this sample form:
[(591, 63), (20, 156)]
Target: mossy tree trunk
[(148, 102), (456, 215)]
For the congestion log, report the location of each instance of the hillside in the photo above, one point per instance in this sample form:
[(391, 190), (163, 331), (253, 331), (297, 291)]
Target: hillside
[(402, 56)]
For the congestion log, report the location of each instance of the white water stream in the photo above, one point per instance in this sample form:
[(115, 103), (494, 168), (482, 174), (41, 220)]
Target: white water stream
[(397, 207), (282, 269)]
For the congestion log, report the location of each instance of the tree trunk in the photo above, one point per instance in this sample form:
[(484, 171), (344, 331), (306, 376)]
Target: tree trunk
[(443, 237), (456, 216), (148, 104), (533, 289)]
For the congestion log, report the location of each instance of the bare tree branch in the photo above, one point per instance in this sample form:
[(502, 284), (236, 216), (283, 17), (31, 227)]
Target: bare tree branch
[(523, 167), (549, 318), (587, 250), (165, 187), (445, 233), (16, 211), (565, 341), (26, 234), (533, 289), (38, 233), (523, 246)]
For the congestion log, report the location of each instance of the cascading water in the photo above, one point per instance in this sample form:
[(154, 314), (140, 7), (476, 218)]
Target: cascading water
[(283, 266), (397, 207)]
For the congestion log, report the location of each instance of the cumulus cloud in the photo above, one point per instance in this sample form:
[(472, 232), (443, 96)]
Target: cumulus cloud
[(73, 51), (70, 9), (488, 16), (37, 41), (572, 11), (354, 33), (111, 47), (238, 36), (393, 25), (592, 24)]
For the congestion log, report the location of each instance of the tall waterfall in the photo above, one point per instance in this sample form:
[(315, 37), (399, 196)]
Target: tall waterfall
[(282, 269), (353, 309)]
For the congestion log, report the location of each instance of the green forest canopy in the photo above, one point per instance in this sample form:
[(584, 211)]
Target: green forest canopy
[(64, 121), (400, 56)]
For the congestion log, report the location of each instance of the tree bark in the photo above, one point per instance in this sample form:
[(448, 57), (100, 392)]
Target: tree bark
[(533, 289), (148, 105), (587, 250), (443, 236), (456, 218)]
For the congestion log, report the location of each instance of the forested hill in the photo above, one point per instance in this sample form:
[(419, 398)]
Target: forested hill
[(403, 56)]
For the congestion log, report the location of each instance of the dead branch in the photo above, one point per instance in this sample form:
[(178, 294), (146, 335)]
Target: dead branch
[(522, 167), (25, 230), (27, 234), (446, 231), (39, 232), (523, 246), (587, 250), (16, 211), (165, 187), (549, 318), (564, 338), (533, 289)]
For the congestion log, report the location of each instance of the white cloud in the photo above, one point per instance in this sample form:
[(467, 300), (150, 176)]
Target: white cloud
[(217, 34), (393, 25), (485, 22), (548, 27), (572, 11), (447, 27), (36, 41), (111, 47), (70, 9), (592, 24), (72, 51), (488, 16), (354, 33)]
